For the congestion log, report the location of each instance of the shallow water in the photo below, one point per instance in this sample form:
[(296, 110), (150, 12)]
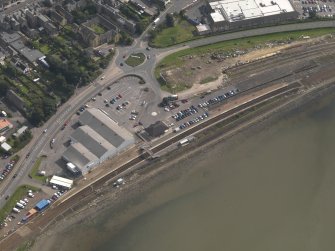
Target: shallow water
[(273, 190)]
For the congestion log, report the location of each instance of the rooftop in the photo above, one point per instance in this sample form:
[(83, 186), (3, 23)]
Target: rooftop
[(105, 126), (4, 123), (93, 141), (79, 155), (237, 10), (57, 180), (10, 37)]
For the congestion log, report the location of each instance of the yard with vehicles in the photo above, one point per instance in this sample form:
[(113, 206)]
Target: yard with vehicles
[(14, 198), (182, 69), (124, 101)]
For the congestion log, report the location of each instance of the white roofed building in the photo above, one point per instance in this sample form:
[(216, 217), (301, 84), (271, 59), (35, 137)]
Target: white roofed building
[(62, 182), (97, 139), (238, 14)]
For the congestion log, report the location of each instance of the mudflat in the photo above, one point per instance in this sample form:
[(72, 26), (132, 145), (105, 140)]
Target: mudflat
[(269, 187)]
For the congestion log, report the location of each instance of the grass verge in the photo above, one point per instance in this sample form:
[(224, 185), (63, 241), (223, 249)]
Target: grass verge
[(175, 59), (19, 193), (208, 79), (35, 170), (181, 32), (26, 246), (135, 59)]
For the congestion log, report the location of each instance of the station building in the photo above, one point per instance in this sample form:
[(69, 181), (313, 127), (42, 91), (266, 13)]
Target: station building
[(97, 139), (225, 15)]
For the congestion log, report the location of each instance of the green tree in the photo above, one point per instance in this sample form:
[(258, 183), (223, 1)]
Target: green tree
[(37, 116), (10, 70), (49, 106), (169, 19), (4, 86)]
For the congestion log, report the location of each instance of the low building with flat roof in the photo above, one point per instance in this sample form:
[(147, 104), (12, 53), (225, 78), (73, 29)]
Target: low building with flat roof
[(6, 147), (97, 139), (19, 132), (238, 14), (61, 182)]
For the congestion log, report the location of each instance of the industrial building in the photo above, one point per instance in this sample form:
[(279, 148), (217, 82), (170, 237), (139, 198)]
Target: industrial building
[(97, 139), (228, 15)]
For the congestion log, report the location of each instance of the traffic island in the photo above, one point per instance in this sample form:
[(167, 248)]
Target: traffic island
[(135, 59)]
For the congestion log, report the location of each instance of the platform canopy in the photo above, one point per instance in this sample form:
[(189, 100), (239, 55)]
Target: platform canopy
[(60, 181)]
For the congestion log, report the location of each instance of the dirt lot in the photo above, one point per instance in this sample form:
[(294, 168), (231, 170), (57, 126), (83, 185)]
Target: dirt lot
[(207, 71)]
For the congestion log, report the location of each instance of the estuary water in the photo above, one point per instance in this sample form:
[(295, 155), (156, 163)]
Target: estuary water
[(265, 190)]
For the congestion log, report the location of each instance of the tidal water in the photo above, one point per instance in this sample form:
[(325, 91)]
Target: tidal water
[(267, 189)]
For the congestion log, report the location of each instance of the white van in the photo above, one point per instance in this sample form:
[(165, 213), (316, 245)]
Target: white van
[(16, 210), (20, 205), (23, 202)]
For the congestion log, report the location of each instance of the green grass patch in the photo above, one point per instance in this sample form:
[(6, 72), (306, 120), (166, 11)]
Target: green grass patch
[(135, 59), (175, 59), (98, 29), (208, 79), (26, 246), (181, 32), (174, 88), (20, 142), (19, 193), (45, 49), (35, 170), (15, 158)]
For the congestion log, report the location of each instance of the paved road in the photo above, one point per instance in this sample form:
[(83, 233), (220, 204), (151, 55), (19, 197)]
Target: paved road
[(116, 71)]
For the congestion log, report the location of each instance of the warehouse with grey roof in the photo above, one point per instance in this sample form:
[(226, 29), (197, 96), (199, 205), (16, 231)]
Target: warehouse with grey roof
[(238, 14), (96, 139)]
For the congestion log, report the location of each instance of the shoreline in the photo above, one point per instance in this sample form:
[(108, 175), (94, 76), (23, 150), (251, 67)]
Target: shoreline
[(165, 171)]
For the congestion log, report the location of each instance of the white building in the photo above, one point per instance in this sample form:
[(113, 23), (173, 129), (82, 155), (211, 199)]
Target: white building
[(238, 14), (97, 139), (61, 182), (6, 147)]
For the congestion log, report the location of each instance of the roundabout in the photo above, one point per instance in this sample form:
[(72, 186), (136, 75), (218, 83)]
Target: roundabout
[(135, 59)]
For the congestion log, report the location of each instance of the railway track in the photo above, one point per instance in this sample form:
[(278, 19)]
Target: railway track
[(286, 58)]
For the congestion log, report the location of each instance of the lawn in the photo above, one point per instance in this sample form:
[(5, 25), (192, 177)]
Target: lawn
[(35, 170), (181, 32), (135, 59), (19, 193), (98, 29), (45, 49), (174, 60)]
